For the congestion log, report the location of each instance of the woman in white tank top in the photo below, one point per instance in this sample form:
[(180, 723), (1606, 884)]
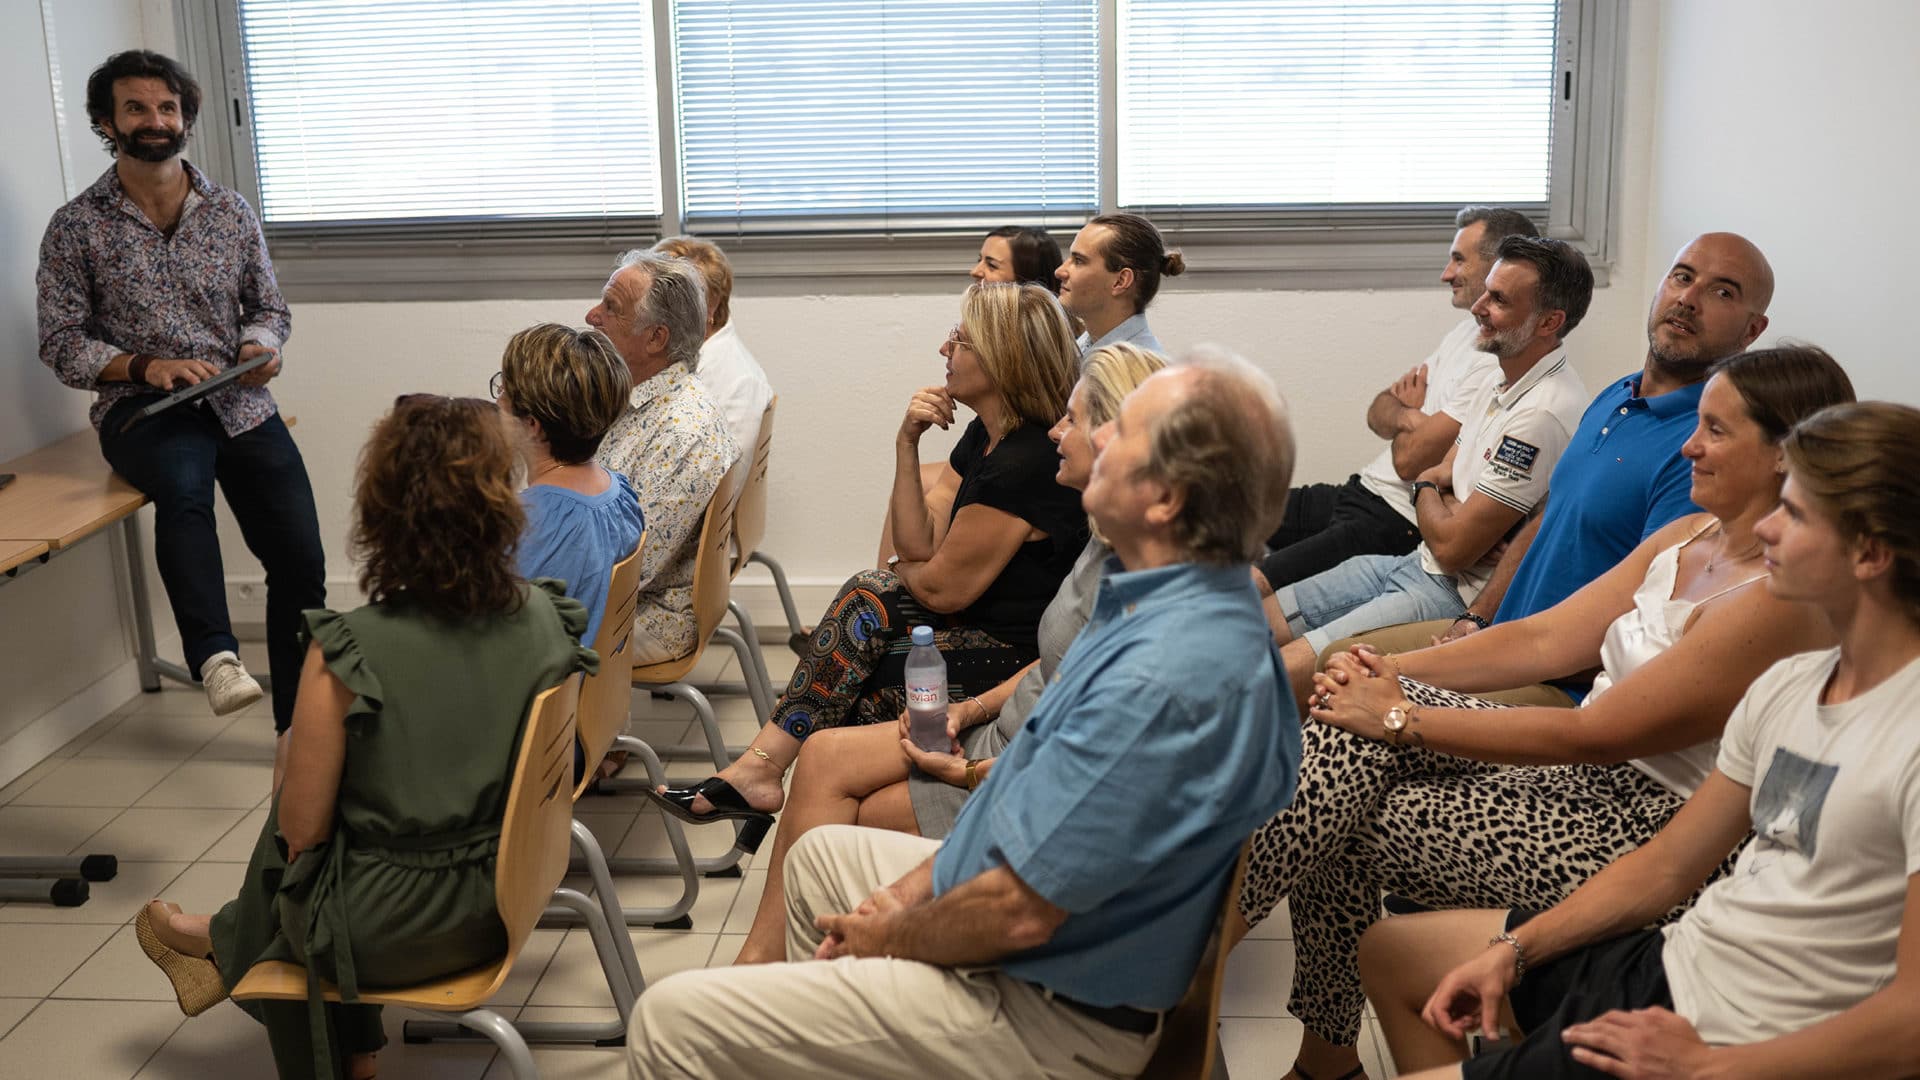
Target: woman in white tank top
[(1452, 801)]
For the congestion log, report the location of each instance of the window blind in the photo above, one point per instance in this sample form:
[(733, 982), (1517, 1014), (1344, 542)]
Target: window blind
[(385, 110), (886, 114), (1314, 103)]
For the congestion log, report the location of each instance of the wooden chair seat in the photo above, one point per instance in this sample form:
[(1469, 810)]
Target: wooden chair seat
[(278, 980)]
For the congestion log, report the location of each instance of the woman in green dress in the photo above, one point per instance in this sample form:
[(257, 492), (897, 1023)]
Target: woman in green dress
[(375, 867)]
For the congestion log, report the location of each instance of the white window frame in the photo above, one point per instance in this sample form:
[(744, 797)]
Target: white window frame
[(1325, 248)]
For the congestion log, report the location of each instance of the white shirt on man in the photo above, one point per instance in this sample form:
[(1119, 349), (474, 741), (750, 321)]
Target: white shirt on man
[(736, 383), (1510, 439), (1456, 373), (1808, 923)]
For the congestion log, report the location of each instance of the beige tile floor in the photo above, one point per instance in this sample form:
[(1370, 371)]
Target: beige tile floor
[(179, 797)]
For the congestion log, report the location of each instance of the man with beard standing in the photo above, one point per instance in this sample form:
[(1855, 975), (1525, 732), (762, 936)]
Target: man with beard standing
[(154, 279)]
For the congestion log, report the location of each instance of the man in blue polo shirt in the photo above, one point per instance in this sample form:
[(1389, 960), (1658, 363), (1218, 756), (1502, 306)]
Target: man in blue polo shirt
[(1068, 909), (1623, 477)]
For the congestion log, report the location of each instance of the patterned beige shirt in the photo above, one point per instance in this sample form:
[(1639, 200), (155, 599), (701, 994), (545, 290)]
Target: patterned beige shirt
[(673, 446)]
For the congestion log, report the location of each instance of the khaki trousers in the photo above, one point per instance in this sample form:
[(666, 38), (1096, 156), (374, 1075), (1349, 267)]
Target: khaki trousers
[(1407, 637), (864, 1017)]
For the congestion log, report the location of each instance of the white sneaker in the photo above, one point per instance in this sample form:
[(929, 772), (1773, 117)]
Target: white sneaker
[(229, 687)]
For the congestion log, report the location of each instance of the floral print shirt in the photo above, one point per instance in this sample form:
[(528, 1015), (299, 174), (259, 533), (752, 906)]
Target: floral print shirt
[(673, 446), (110, 282)]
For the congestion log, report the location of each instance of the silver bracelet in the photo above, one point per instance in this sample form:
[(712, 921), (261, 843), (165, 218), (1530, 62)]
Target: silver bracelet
[(1519, 952)]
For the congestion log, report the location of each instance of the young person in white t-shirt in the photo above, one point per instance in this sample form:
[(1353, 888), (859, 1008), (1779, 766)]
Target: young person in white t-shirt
[(1796, 964)]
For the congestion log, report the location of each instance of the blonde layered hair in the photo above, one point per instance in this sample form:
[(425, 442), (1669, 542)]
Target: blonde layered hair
[(1111, 373), (572, 382), (715, 272), (1026, 347)]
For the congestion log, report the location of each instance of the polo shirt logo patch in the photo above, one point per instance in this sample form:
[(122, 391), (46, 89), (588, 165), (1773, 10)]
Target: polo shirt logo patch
[(1517, 456)]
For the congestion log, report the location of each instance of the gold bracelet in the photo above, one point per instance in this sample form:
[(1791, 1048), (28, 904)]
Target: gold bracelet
[(973, 773)]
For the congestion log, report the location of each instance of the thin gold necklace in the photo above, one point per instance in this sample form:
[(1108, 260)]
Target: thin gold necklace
[(552, 465), (1714, 560)]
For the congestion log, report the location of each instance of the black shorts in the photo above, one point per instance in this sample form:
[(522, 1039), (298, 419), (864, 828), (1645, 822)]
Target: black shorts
[(1622, 973)]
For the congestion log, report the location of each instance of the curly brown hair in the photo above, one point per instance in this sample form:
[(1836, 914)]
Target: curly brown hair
[(435, 516)]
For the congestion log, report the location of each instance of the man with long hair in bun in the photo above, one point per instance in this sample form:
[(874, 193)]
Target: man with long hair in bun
[(1112, 273)]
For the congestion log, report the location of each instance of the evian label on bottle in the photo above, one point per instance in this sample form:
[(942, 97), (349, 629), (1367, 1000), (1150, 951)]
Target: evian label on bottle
[(924, 697)]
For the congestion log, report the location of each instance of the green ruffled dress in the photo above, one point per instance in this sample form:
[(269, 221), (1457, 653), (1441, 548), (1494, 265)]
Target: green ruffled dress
[(403, 890)]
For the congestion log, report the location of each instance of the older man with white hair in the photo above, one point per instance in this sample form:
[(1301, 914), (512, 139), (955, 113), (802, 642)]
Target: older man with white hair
[(672, 443), (1051, 931)]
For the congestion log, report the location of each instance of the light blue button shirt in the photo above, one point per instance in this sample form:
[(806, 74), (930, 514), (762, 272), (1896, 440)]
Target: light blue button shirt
[(577, 539), (1134, 331), (1167, 737)]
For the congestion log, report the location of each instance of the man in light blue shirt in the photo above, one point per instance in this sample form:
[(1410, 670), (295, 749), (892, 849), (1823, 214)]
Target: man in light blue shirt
[(1069, 908)]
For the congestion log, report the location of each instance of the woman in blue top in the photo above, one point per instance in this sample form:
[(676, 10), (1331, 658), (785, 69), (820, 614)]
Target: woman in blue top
[(560, 389)]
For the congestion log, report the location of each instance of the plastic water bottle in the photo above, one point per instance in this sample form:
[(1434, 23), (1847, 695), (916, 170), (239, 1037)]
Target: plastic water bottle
[(927, 693)]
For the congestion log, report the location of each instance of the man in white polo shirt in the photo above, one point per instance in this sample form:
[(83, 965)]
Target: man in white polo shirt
[(1419, 415), (1510, 438)]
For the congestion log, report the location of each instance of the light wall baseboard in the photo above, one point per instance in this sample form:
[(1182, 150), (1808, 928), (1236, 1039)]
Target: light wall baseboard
[(59, 725)]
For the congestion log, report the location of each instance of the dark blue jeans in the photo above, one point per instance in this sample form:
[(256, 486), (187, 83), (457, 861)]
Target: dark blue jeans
[(174, 459)]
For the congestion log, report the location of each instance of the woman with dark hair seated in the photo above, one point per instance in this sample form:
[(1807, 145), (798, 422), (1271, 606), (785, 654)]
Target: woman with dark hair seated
[(375, 867), (980, 574), (1018, 254), (1412, 787), (876, 776), (560, 390)]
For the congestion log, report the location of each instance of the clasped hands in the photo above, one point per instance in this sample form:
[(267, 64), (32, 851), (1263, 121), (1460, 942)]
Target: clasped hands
[(1355, 692), (866, 930)]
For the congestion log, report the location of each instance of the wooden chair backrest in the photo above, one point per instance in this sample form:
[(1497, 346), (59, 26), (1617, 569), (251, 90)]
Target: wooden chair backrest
[(535, 834), (711, 565), (750, 517), (605, 697), (710, 579), (1190, 1034)]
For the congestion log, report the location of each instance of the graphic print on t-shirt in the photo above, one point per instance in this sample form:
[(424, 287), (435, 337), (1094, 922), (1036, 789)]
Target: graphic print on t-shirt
[(1786, 812)]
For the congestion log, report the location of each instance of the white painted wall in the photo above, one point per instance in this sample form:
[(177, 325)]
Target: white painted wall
[(1793, 123), (64, 655)]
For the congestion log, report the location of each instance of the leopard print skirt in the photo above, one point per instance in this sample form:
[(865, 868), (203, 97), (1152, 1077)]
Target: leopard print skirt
[(1372, 818)]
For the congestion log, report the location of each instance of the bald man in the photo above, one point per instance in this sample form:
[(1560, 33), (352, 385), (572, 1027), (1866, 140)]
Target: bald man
[(1623, 477)]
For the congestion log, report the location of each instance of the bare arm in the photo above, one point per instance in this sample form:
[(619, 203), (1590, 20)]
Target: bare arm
[(910, 518), (1560, 641), (1423, 443), (1647, 882), (1459, 531), (976, 922), (1487, 604), (316, 754), (1637, 889), (1680, 698), (1398, 406), (976, 548)]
